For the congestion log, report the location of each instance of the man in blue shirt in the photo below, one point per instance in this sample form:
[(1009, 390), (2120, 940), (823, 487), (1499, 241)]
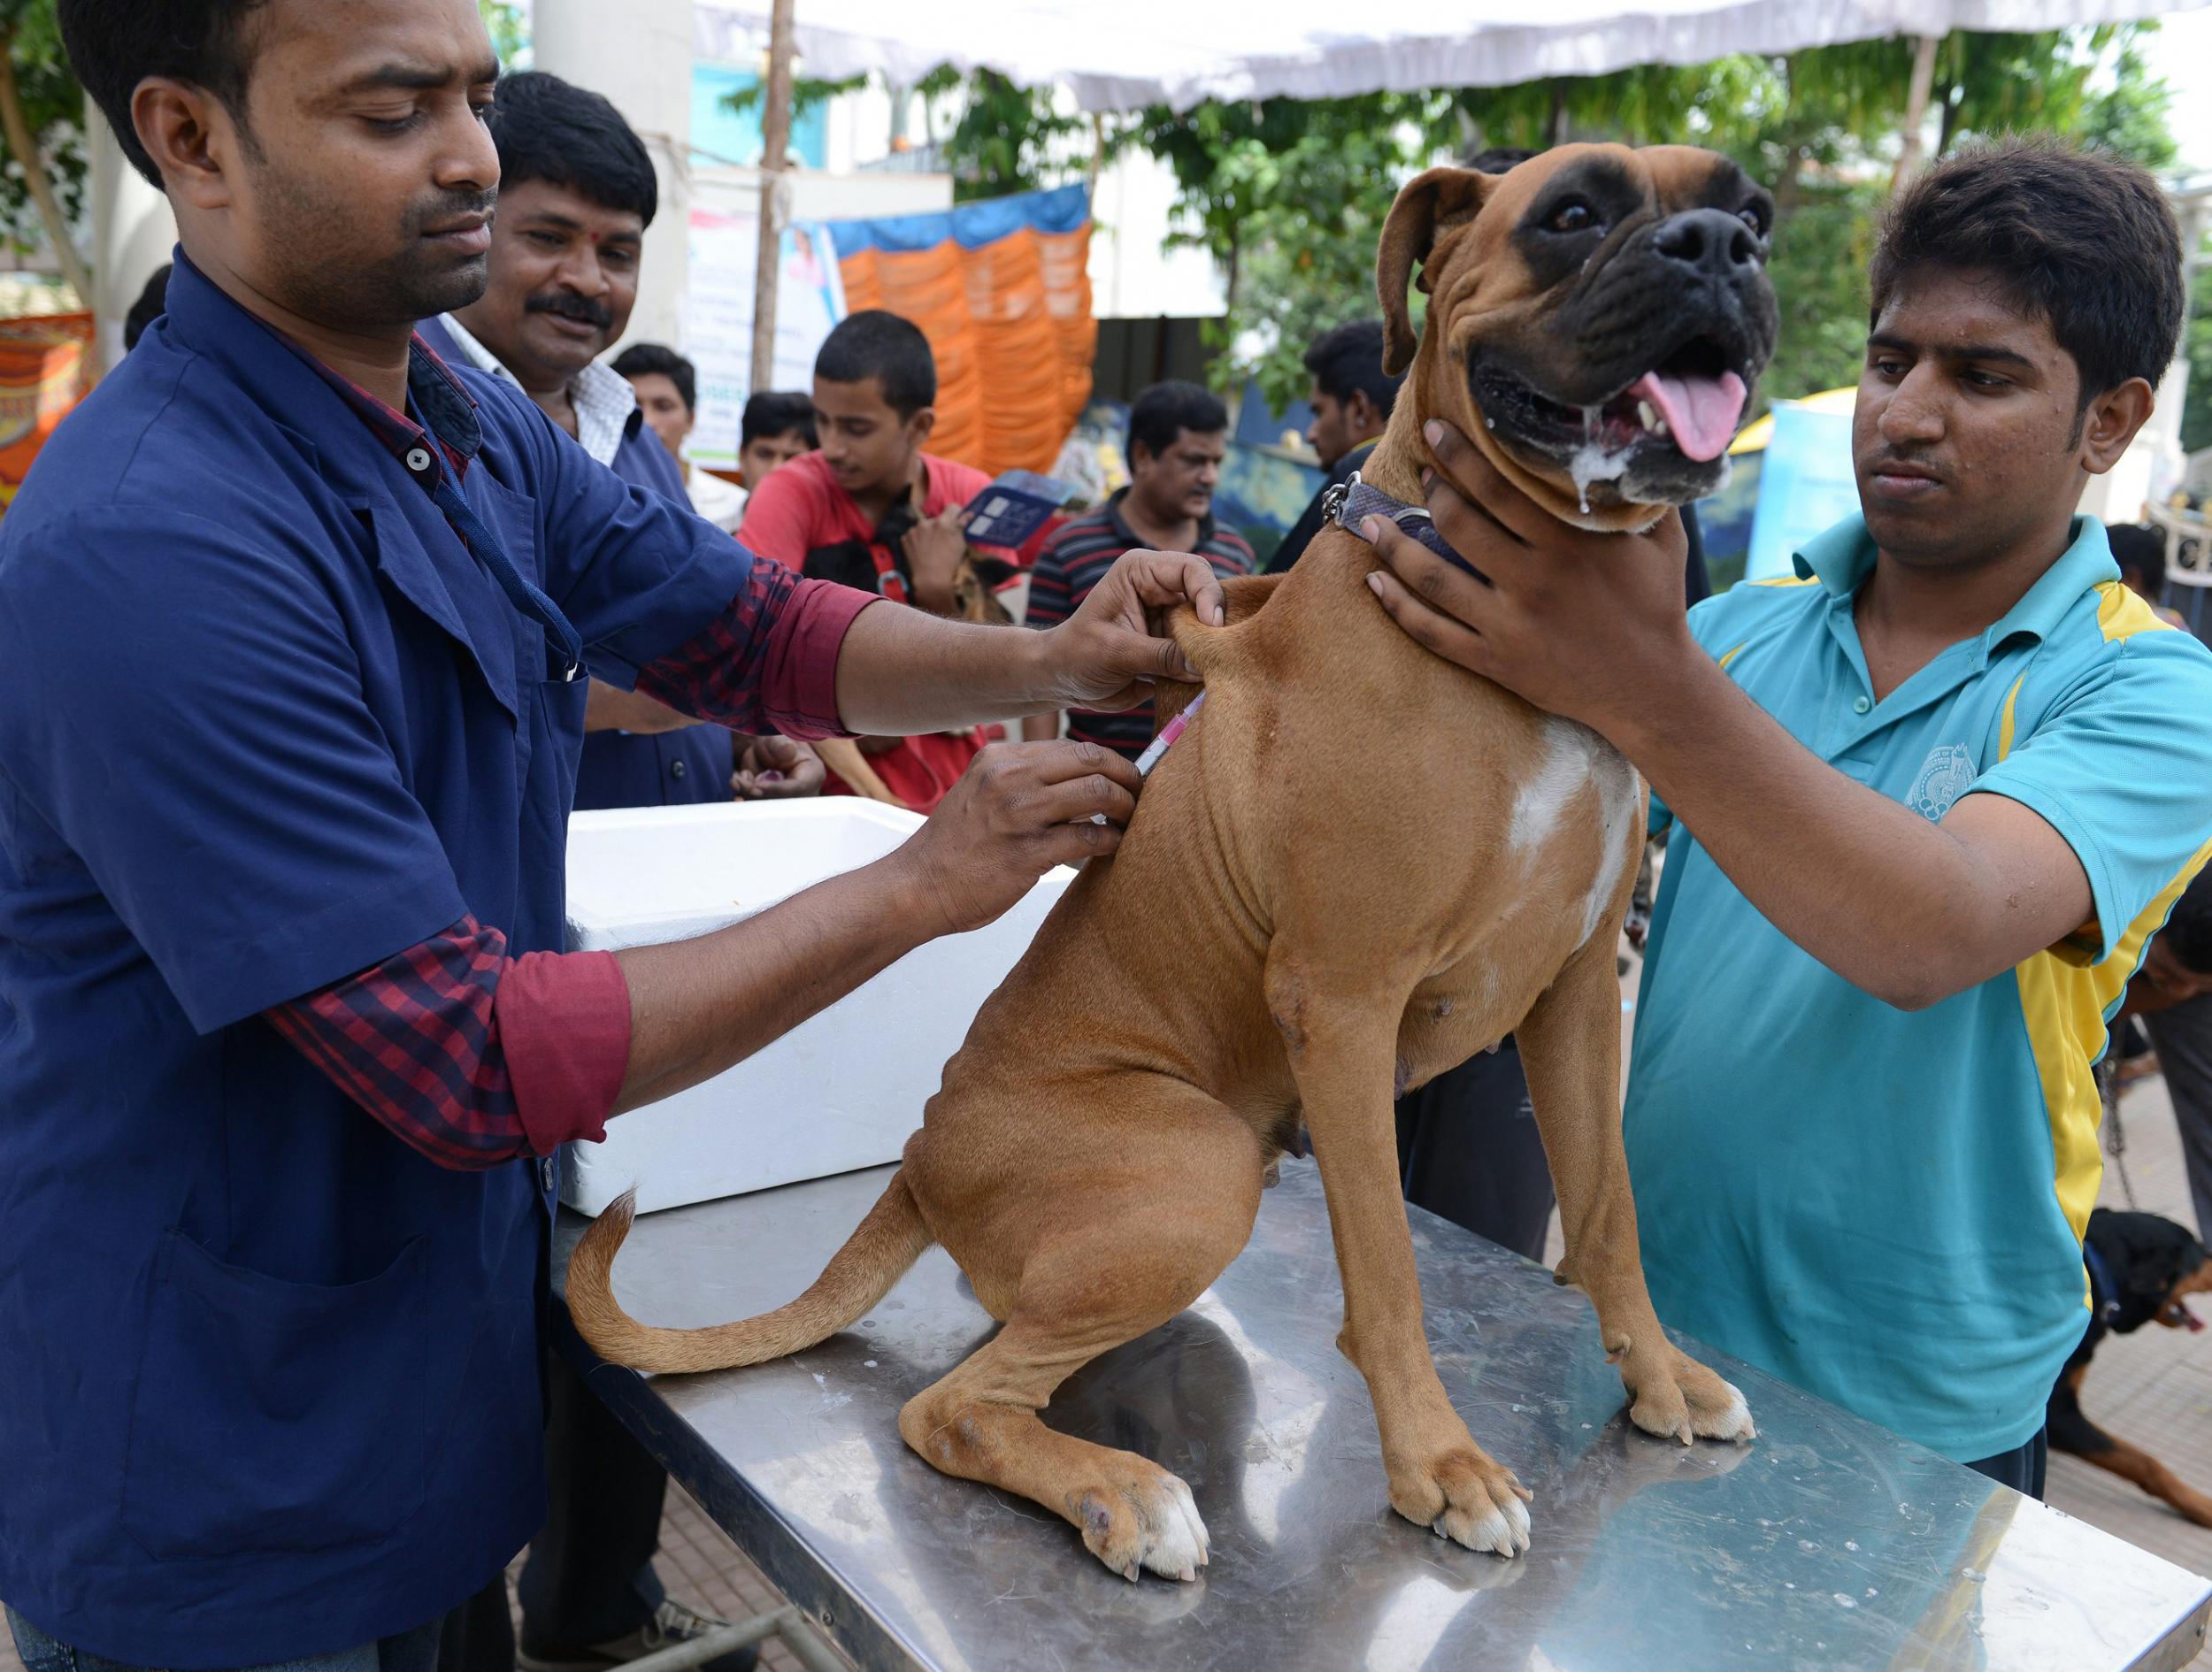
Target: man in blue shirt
[(296, 620), (1933, 794), (576, 195)]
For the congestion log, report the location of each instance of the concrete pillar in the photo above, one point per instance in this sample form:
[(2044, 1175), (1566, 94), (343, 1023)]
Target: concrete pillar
[(132, 233), (639, 54)]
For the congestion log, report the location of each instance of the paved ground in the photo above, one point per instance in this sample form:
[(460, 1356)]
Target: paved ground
[(2154, 1388)]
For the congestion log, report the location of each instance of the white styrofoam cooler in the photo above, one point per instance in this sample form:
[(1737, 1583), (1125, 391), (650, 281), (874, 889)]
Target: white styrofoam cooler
[(840, 1090)]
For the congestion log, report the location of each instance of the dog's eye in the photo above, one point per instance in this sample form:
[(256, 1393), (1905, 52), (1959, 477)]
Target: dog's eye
[(1753, 216), (1573, 215)]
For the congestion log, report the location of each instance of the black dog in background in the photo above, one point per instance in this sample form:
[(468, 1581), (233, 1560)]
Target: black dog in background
[(2140, 1267)]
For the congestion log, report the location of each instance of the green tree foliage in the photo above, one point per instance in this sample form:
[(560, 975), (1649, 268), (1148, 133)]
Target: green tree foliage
[(1010, 139), (2196, 415), (1289, 196), (509, 31)]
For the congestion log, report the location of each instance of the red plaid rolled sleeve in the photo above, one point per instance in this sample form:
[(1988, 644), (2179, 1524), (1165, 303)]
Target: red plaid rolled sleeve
[(769, 662), (474, 1057)]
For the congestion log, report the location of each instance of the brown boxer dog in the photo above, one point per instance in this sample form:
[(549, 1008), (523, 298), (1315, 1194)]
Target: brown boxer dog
[(1360, 866)]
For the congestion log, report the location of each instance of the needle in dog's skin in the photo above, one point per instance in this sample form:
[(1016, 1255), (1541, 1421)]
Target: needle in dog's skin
[(1160, 745)]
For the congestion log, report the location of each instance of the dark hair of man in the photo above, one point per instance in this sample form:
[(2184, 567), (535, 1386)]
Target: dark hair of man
[(1350, 358), (553, 130), (2188, 933), (1499, 159), (1159, 414), (115, 44), (875, 343), (152, 303), (642, 359), (2081, 238), (778, 412), (2140, 550)]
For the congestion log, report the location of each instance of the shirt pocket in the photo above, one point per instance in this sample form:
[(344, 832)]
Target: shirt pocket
[(269, 1415)]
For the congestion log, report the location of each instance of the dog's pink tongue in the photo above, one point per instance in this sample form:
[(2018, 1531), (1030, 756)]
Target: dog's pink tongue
[(1700, 411)]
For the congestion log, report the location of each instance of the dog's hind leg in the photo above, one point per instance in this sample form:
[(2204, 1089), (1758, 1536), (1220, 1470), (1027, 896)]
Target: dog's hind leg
[(1571, 1046), (2073, 1433), (2133, 1463), (1115, 1260)]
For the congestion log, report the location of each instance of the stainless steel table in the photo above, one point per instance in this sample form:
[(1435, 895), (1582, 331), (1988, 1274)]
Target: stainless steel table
[(1827, 1544)]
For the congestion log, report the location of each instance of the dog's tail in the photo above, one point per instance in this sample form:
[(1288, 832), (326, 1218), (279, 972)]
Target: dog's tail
[(861, 1273)]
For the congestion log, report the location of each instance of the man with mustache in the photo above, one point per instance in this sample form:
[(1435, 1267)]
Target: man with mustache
[(1933, 794), (576, 194)]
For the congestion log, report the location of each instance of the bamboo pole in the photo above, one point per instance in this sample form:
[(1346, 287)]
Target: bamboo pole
[(1924, 61), (775, 138)]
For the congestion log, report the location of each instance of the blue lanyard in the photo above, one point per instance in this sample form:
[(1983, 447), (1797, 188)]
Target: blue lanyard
[(446, 494)]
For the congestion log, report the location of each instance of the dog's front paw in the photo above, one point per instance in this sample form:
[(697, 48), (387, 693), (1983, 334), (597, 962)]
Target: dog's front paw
[(1467, 1497), (1148, 1520), (1677, 1398)]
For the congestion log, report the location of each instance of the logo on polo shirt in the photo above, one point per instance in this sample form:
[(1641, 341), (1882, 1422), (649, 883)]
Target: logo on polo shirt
[(1945, 776)]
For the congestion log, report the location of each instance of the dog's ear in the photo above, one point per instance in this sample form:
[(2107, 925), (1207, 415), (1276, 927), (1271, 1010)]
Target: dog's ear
[(1439, 198)]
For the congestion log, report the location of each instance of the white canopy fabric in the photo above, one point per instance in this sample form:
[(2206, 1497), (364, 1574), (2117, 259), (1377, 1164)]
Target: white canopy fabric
[(1116, 55)]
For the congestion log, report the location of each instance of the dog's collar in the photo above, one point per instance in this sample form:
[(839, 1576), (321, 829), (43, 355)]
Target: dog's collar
[(1352, 501), (2104, 1294)]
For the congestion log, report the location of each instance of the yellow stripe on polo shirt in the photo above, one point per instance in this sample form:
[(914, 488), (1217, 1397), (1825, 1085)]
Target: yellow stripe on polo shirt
[(2004, 725), (2122, 612), (2064, 998)]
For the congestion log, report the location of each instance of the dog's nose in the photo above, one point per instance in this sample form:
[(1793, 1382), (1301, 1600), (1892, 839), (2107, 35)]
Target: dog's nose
[(1708, 240)]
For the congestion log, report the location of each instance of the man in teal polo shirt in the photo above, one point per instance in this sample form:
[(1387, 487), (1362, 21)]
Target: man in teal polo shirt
[(1934, 794)]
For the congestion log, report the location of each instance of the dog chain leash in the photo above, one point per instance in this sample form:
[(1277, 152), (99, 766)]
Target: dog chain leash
[(2115, 1137)]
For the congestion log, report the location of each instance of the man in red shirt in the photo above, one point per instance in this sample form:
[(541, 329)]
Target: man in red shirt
[(870, 509)]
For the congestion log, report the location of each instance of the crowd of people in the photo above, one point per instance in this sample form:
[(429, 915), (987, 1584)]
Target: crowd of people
[(355, 771)]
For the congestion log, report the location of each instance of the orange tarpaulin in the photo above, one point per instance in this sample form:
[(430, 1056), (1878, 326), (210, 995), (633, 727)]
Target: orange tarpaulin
[(1002, 290), (41, 376)]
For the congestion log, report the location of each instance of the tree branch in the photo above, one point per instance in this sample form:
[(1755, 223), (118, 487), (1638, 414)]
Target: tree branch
[(25, 148)]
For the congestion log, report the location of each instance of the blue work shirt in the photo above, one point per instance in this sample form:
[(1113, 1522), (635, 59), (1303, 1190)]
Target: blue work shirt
[(625, 769), (269, 1379), (1887, 1207)]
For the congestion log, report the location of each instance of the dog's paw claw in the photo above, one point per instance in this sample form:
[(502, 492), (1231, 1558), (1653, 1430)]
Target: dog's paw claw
[(1725, 1417), (1470, 1500), (1502, 1528), (1682, 1399), (1149, 1521)]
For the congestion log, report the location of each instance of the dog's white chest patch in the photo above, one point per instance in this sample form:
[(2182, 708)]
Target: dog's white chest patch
[(1561, 771), (1618, 790), (1575, 757)]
